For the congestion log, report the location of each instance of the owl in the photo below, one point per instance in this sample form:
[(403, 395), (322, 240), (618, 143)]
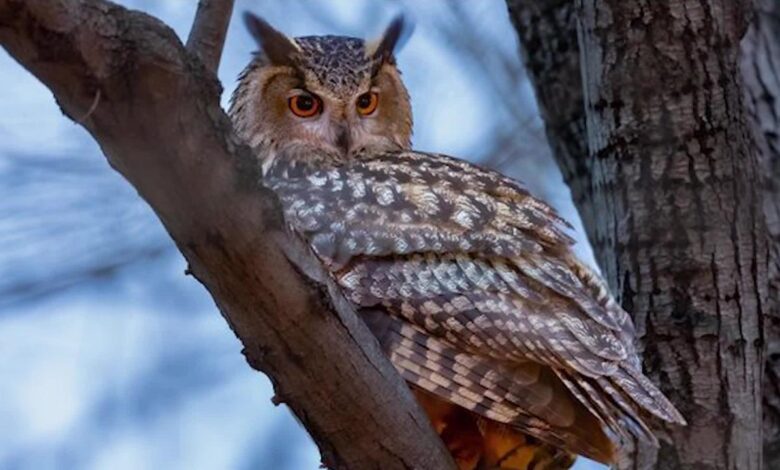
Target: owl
[(513, 347)]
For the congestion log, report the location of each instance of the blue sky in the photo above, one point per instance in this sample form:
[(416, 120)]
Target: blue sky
[(109, 356)]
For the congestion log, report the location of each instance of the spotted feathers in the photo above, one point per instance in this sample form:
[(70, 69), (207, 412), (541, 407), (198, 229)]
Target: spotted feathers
[(484, 304)]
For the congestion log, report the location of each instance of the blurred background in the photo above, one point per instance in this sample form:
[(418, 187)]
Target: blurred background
[(112, 358)]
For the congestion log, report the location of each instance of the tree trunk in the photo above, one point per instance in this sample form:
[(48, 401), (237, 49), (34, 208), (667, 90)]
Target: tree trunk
[(760, 63), (667, 190)]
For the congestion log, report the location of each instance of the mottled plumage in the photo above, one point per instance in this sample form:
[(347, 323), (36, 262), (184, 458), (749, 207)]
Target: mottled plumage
[(467, 280)]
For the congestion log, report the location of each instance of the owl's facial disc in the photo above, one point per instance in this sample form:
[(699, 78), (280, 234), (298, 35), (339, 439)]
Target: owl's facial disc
[(335, 93), (344, 125)]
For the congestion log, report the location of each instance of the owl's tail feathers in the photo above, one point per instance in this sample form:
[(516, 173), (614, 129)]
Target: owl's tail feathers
[(624, 402), (526, 396), (642, 391)]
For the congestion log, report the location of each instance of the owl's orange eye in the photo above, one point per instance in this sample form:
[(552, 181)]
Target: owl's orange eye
[(304, 105), (367, 102)]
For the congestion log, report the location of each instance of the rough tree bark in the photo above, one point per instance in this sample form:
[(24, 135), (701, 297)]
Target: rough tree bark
[(675, 172), (760, 63), (154, 109), (663, 172)]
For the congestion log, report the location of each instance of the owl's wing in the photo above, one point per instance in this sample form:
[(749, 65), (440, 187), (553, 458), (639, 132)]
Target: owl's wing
[(468, 258), (411, 202)]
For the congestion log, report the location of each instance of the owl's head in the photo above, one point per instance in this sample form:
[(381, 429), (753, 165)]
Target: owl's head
[(340, 94)]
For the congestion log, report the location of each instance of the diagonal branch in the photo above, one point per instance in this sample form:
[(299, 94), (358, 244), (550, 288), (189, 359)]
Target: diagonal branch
[(207, 36), (159, 123)]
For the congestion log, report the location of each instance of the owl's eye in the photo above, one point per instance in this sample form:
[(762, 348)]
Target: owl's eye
[(304, 105), (367, 102)]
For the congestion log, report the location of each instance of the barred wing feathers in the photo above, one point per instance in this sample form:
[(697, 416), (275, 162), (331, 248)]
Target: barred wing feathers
[(482, 300)]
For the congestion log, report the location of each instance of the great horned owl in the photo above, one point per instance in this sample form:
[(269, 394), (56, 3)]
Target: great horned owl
[(515, 349)]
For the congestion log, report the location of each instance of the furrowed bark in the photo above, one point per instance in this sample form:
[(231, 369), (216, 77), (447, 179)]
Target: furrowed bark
[(682, 229), (154, 110), (760, 63), (668, 193)]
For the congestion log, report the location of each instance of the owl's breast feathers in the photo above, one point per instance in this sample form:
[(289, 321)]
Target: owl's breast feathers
[(471, 287)]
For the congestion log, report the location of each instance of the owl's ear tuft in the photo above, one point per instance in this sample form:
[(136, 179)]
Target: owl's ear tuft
[(395, 36), (279, 49)]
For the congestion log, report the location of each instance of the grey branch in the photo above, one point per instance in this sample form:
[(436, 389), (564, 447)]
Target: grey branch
[(207, 36), (159, 123)]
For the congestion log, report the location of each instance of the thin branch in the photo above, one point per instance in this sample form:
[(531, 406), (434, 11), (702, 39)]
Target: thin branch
[(160, 125), (207, 36)]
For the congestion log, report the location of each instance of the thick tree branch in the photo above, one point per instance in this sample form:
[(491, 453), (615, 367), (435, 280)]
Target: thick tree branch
[(159, 123), (207, 36)]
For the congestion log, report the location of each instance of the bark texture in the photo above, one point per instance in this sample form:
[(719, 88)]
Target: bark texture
[(760, 65), (675, 172), (667, 190), (154, 109)]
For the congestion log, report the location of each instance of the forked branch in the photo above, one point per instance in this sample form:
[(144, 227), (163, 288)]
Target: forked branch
[(159, 123)]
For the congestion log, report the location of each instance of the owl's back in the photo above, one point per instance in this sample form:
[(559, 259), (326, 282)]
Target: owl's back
[(471, 287)]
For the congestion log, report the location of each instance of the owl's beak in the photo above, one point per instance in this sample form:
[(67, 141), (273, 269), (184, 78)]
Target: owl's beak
[(343, 140)]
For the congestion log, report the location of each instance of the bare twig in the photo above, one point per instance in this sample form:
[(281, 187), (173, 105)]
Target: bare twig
[(160, 125), (207, 36)]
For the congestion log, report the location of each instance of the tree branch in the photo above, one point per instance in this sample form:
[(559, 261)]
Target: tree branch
[(159, 123), (207, 36)]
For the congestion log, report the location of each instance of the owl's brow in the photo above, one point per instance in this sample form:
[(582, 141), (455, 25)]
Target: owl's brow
[(294, 74)]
